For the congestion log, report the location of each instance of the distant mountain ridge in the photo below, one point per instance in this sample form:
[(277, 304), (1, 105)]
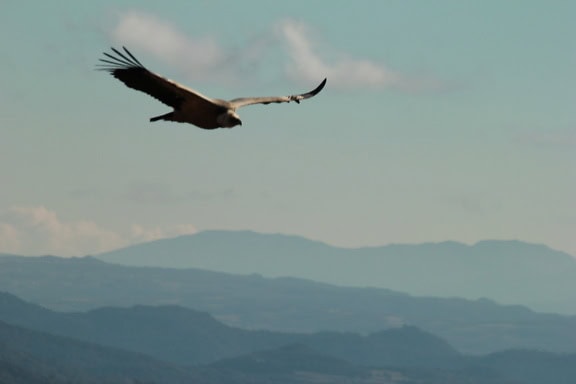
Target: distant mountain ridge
[(405, 355), (285, 304), (29, 356), (510, 272), (185, 336)]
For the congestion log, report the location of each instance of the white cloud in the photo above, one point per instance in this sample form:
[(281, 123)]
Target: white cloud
[(36, 230), (202, 57), (345, 71), (196, 56), (342, 70)]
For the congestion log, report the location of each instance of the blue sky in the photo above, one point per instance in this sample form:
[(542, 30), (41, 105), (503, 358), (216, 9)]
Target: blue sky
[(444, 120)]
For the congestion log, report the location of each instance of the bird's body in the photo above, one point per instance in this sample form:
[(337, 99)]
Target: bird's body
[(189, 105)]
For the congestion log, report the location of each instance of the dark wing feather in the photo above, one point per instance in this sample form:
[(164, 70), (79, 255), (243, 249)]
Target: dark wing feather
[(126, 68), (243, 101)]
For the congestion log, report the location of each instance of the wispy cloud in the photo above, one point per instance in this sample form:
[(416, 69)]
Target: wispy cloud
[(307, 63), (202, 57), (196, 56), (36, 230), (345, 71)]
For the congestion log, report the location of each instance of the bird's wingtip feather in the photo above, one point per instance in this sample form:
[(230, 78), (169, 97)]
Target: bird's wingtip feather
[(317, 90)]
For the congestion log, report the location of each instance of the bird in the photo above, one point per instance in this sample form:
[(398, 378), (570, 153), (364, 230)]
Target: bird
[(189, 106)]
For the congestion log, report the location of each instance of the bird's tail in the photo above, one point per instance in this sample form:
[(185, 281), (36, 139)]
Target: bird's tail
[(168, 116)]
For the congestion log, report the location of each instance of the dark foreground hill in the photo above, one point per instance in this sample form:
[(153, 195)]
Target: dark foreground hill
[(510, 272), (30, 357), (405, 355), (301, 364), (187, 337), (283, 304)]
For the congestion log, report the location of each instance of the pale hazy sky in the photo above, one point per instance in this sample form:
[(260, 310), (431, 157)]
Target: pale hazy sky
[(441, 120)]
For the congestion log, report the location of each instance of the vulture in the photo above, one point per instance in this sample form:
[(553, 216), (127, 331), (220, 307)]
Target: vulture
[(189, 106)]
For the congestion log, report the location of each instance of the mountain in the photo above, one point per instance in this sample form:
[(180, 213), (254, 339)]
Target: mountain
[(283, 304), (169, 333), (301, 364), (405, 355), (29, 357), (510, 272), (185, 336), (288, 359), (527, 366)]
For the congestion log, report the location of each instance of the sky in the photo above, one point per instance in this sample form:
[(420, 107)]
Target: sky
[(441, 120)]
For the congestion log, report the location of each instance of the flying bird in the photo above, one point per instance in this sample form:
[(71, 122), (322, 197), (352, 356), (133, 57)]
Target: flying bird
[(189, 106)]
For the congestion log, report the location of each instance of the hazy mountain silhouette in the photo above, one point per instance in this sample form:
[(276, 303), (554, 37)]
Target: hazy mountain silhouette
[(509, 272), (301, 364), (287, 359), (404, 355), (186, 336), (528, 366), (284, 304), (29, 357)]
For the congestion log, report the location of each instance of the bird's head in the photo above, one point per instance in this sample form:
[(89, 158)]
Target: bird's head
[(229, 119), (234, 120)]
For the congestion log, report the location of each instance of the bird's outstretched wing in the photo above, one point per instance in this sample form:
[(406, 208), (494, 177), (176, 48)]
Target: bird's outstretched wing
[(126, 68), (243, 101)]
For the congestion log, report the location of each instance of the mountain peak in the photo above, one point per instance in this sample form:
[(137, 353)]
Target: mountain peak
[(442, 269)]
